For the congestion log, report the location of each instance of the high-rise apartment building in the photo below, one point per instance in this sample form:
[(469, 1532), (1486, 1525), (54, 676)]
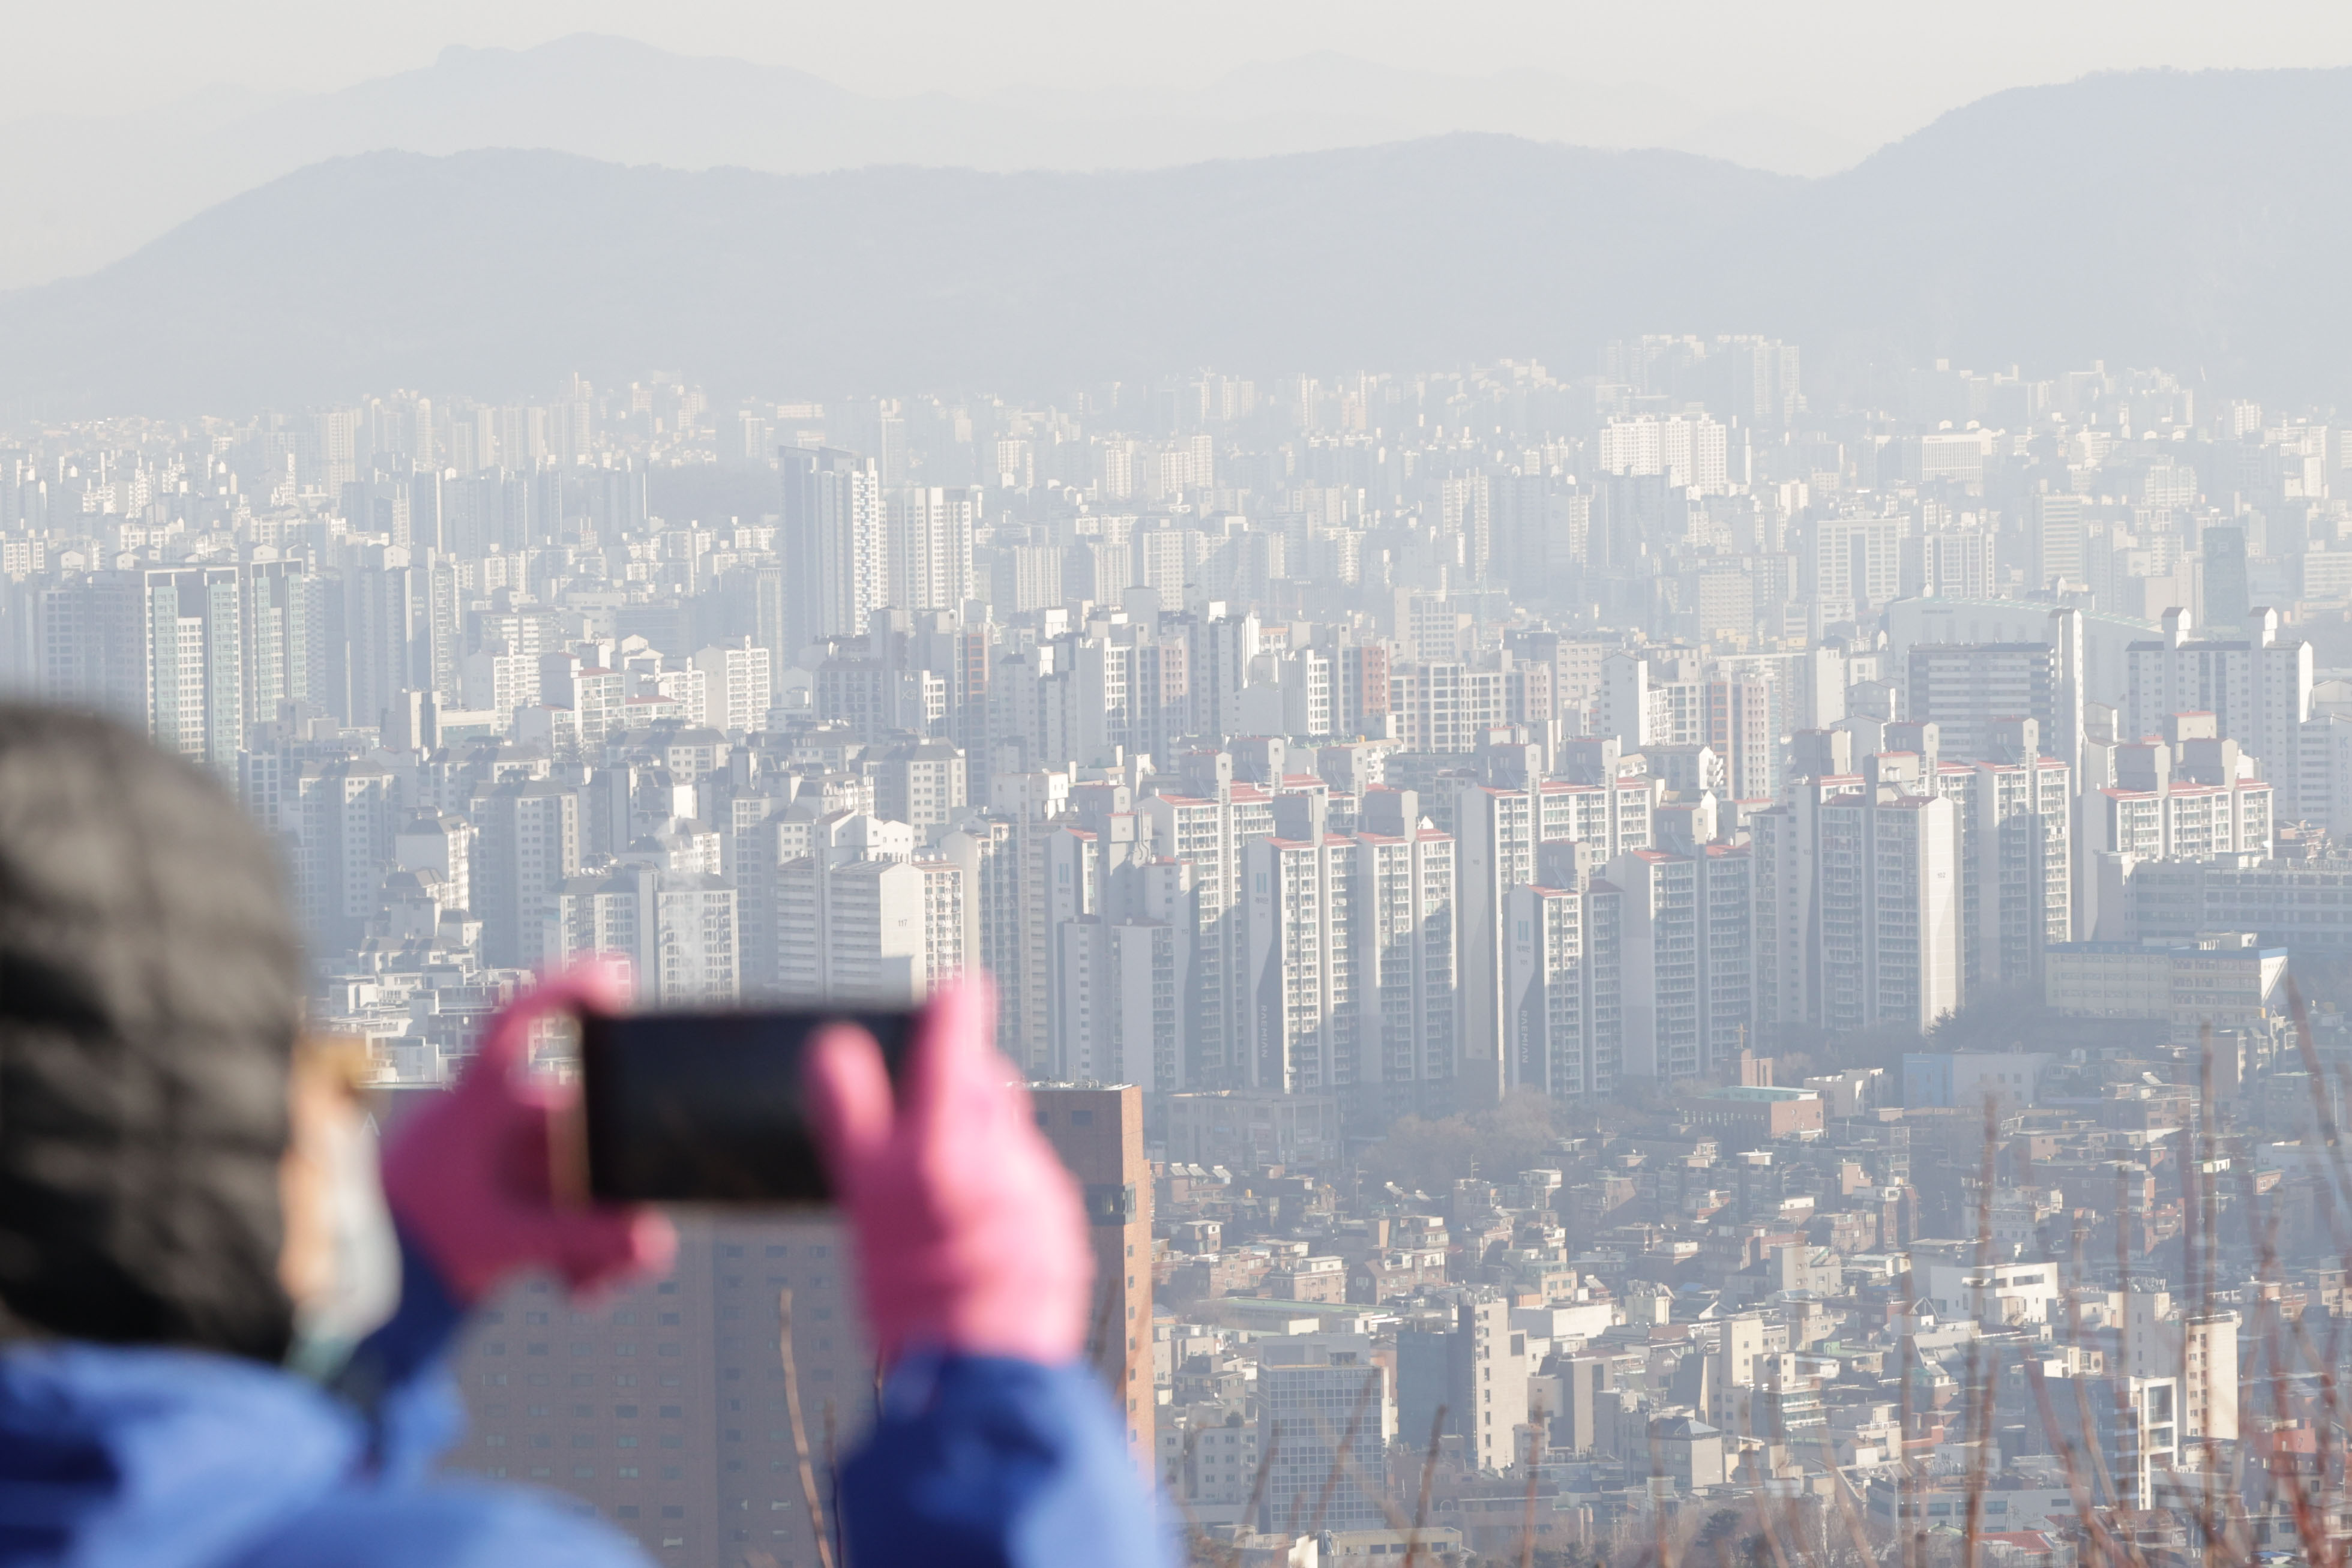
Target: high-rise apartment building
[(2059, 556), (192, 621), (2180, 821), (285, 628), (868, 931), (2226, 599), (679, 928), (1652, 700), (1298, 1018), (1894, 865), (1969, 690), (1859, 564), (1857, 907), (833, 541), (928, 534), (192, 655), (1210, 831), (442, 843), (1122, 999), (738, 686), (1446, 704), (499, 682), (2257, 687), (1224, 643), (387, 620), (529, 848), (2017, 863), (986, 849), (1690, 452), (1685, 945), (1408, 1043), (1563, 990), (336, 821), (1469, 1381), (1960, 563), (1497, 833), (1741, 730)]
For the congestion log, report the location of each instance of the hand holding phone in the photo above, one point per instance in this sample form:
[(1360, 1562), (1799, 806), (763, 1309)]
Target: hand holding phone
[(470, 1178), (970, 1234)]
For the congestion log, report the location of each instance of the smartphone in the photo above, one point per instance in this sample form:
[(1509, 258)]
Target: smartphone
[(704, 1107)]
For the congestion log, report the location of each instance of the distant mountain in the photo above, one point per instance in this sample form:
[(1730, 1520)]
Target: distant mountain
[(83, 192), (483, 269), (2191, 220), (2198, 220)]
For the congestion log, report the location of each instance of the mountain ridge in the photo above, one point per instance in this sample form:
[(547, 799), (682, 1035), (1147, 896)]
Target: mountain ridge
[(2135, 217), (285, 302), (85, 190)]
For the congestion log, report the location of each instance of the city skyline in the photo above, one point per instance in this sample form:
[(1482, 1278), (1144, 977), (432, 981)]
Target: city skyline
[(1532, 898)]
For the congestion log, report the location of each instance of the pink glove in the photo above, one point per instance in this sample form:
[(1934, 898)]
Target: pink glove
[(468, 1177), (971, 1235)]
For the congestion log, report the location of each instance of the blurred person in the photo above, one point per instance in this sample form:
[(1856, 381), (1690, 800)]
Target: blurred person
[(222, 1337)]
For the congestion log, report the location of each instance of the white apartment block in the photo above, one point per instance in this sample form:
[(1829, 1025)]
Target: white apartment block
[(1208, 834), (1903, 945), (1563, 992), (1407, 966), (1858, 563), (1969, 690), (2258, 689), (1500, 832), (833, 543), (690, 957), (441, 843), (529, 846), (2324, 772), (1496, 830), (1297, 1021), (499, 682), (1691, 451), (943, 919), (928, 532), (738, 686), (678, 928), (1445, 705), (1960, 563), (337, 826), (922, 785), (1346, 967), (1120, 1000), (1649, 700), (1858, 918), (1684, 946), (2182, 821), (864, 932), (2016, 864)]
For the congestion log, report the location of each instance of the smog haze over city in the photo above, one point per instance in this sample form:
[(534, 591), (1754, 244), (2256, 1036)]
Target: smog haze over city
[(1646, 711)]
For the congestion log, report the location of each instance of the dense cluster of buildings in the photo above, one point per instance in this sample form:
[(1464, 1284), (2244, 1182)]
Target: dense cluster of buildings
[(2067, 1328), (1311, 753)]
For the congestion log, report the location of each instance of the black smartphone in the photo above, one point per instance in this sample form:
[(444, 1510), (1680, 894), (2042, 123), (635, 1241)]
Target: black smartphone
[(705, 1107)]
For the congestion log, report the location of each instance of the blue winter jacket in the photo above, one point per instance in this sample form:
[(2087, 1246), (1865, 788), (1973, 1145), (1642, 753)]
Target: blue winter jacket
[(114, 1456)]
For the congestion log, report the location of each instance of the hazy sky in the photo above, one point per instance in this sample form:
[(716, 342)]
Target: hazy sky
[(1866, 67)]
